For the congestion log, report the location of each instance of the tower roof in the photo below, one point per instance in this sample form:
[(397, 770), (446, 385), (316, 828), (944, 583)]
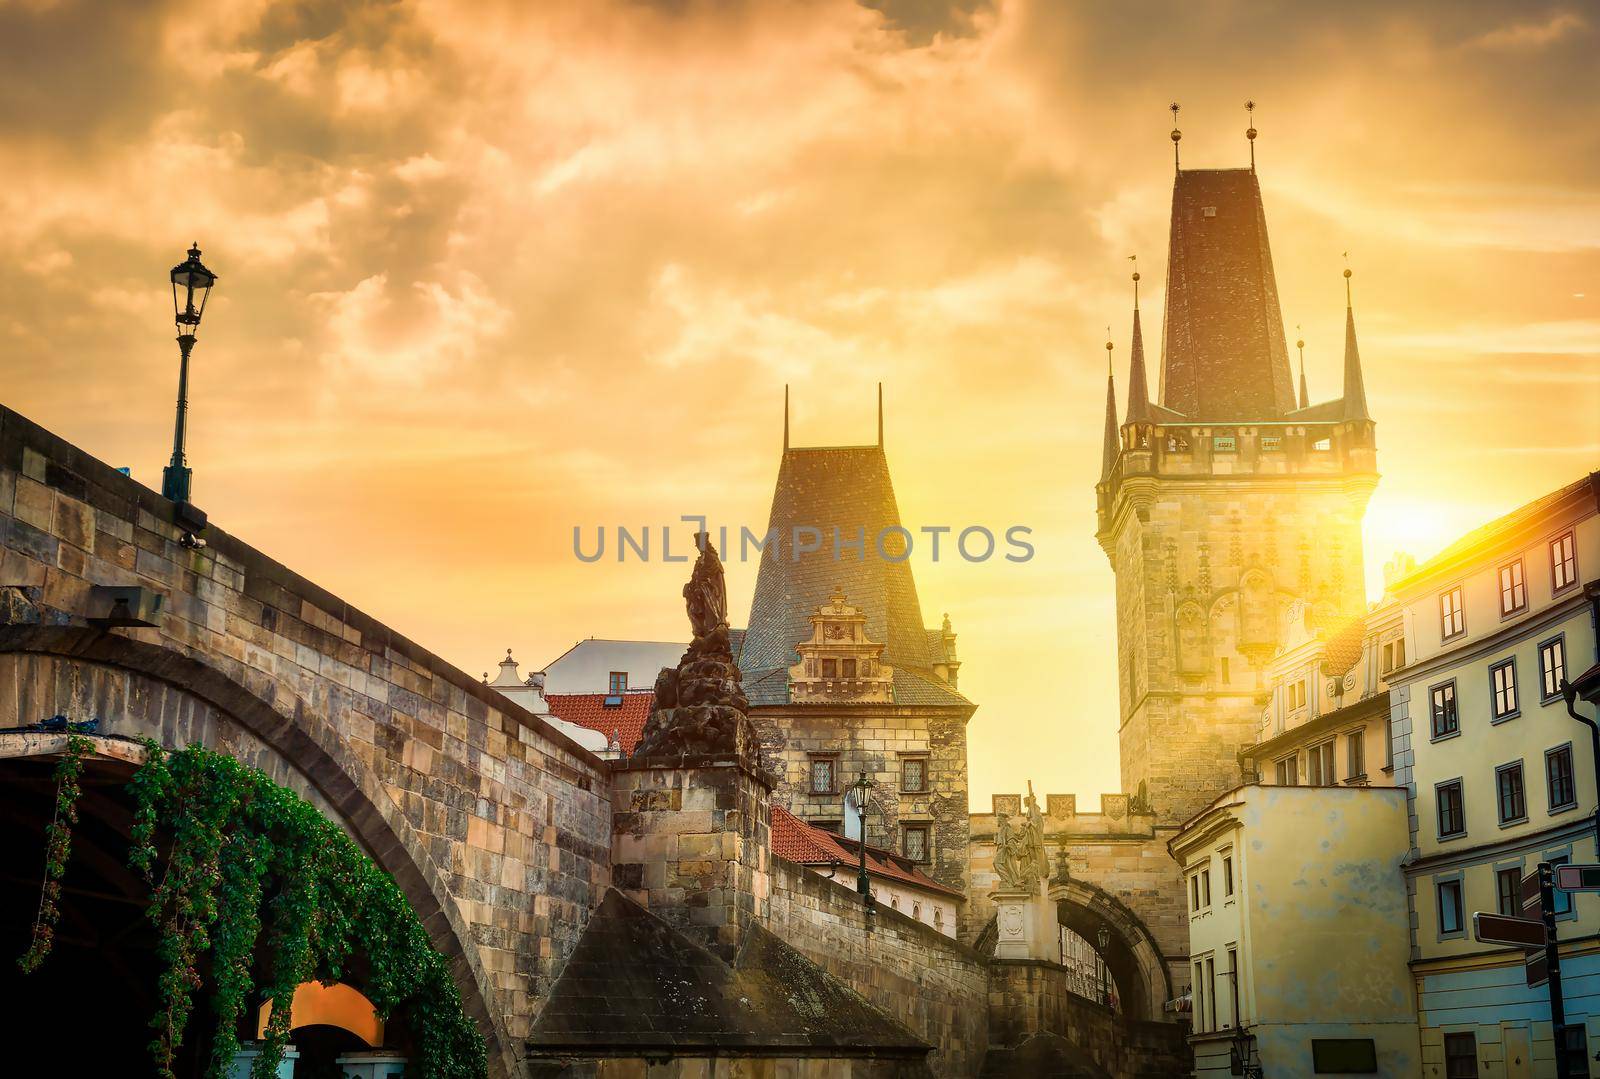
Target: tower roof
[(1138, 384), (1355, 391), (1113, 441), (1224, 356), (824, 488)]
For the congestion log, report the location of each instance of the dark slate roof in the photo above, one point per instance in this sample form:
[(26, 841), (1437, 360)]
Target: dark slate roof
[(635, 984), (1224, 357), (848, 488), (1355, 391)]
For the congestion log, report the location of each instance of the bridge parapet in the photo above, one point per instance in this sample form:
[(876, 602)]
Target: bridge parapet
[(496, 825)]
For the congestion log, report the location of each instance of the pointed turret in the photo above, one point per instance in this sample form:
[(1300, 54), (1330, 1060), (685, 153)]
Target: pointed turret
[(1138, 385), (1355, 392), (1113, 440)]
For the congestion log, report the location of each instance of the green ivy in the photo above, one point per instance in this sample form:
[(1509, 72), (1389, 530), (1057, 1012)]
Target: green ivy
[(57, 849), (245, 856)]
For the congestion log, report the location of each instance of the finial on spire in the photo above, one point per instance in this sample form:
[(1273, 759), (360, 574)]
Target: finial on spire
[(1300, 343), (1109, 347), (1347, 302), (1135, 260), (786, 416), (1177, 136), (1250, 132), (880, 415)]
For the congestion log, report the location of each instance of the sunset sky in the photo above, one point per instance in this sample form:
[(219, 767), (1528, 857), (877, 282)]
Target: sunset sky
[(489, 271)]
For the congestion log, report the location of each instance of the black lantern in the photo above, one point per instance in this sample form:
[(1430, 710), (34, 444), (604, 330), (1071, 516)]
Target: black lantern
[(1103, 938), (190, 278), (1241, 1057), (859, 790)]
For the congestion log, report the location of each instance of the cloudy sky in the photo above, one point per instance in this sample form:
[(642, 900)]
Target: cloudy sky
[(492, 270)]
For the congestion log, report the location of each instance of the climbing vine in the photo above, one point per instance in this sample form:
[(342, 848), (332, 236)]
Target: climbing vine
[(57, 849), (231, 857)]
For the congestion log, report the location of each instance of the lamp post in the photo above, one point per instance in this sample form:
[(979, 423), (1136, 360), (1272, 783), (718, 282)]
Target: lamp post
[(1241, 1063), (859, 791), (1103, 938), (188, 278)]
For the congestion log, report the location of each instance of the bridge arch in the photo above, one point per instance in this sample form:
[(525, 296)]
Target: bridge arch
[(1132, 957), (142, 690)]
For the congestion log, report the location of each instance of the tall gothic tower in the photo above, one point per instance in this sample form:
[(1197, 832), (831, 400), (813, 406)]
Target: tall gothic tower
[(1223, 500)]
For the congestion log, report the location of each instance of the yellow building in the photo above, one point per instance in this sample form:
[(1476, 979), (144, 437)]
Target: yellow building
[(1297, 931), (1499, 778)]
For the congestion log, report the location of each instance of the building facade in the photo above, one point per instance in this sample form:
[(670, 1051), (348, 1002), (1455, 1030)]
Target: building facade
[(1499, 777), (1298, 949)]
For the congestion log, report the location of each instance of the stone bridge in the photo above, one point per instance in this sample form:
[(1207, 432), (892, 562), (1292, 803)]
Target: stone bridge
[(495, 825)]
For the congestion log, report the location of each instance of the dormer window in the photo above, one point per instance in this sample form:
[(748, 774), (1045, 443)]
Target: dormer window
[(830, 668), (847, 668), (617, 683)]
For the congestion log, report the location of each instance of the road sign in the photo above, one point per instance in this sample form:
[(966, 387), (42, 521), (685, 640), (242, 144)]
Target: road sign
[(1532, 901), (1578, 878), (1499, 929), (1537, 969)]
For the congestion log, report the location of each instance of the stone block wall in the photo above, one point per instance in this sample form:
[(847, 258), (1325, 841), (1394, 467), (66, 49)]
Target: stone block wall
[(692, 843), (1028, 997), (875, 738), (935, 986), (495, 824)]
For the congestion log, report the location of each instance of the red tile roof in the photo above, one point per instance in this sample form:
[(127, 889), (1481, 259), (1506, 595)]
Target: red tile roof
[(803, 842), (1343, 649), (589, 710)]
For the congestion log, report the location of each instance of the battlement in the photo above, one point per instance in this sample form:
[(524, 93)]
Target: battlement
[(1119, 816)]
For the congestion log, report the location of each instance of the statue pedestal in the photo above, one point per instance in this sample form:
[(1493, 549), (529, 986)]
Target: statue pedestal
[(1026, 926)]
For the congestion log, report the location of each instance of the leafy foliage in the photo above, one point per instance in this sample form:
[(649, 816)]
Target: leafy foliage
[(229, 854), (57, 849)]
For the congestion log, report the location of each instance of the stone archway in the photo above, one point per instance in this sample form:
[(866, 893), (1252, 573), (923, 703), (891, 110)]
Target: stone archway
[(139, 690), (1132, 956)]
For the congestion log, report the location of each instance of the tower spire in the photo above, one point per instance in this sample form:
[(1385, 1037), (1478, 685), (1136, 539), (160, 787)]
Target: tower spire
[(1177, 137), (1250, 133), (786, 417), (1300, 343), (1138, 387), (1355, 391), (1113, 440)]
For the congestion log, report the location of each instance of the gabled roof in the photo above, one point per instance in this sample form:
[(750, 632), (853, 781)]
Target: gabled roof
[(803, 842), (634, 984), (590, 710), (1224, 356)]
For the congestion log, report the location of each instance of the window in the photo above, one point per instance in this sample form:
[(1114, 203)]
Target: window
[(1233, 986), (1460, 1055), (1271, 443), (1319, 765), (938, 918), (1322, 445), (916, 911), (1227, 874), (1508, 891), (1552, 667), (847, 668), (1211, 992), (1394, 654), (1297, 694), (1558, 777), (1226, 677), (1443, 707), (1344, 1056), (617, 683), (1452, 619), (1452, 821), (833, 826), (914, 842), (914, 774), (1503, 689), (1513, 591), (822, 775), (1508, 789), (1223, 444), (830, 668), (1563, 562), (1450, 908), (1200, 995), (1288, 769), (1356, 754), (1388, 745), (1563, 899), (1205, 886)]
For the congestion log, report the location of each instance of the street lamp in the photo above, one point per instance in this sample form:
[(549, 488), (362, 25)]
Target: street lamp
[(188, 278), (1240, 1062), (858, 792), (1103, 938)]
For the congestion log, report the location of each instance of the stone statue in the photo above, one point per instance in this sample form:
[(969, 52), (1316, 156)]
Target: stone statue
[(1020, 859), (1038, 858), (1005, 862), (699, 707), (1140, 802)]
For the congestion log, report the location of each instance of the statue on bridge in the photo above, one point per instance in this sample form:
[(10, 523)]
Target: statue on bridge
[(700, 708), (1020, 859)]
